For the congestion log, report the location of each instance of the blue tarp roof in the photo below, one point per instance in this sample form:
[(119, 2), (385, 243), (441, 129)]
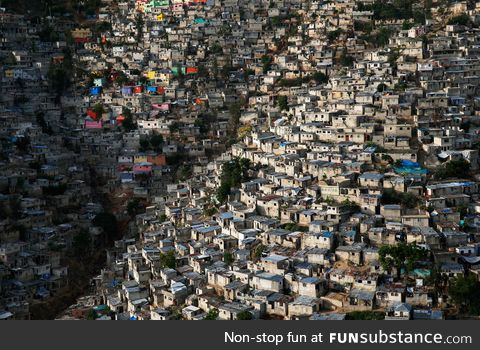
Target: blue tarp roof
[(410, 167)]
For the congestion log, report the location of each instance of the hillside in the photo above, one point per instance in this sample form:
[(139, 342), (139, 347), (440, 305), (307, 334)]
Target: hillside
[(52, 7)]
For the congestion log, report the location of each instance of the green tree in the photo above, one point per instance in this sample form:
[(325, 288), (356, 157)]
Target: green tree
[(222, 192), (257, 253), (108, 222), (244, 315), (407, 25), (98, 108), (401, 256), (133, 207), (392, 57), (398, 9), (58, 77), (382, 87), (82, 244), (156, 141), (387, 158), (244, 165), (454, 168), (174, 127), (334, 34), (91, 315), (351, 206), (91, 6), (139, 23), (144, 144), (266, 63), (216, 49), (176, 159), (40, 117), (365, 315), (320, 77), (128, 124), (233, 174), (23, 143), (184, 172), (211, 315), (228, 258), (168, 260), (291, 82), (379, 38), (346, 60), (408, 200), (282, 102), (54, 190), (292, 226), (465, 293), (210, 211), (462, 19), (233, 121)]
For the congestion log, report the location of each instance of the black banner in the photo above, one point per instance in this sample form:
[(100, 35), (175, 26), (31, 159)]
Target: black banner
[(241, 334)]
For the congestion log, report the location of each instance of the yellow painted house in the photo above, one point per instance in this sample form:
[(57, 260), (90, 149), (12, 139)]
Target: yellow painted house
[(139, 158)]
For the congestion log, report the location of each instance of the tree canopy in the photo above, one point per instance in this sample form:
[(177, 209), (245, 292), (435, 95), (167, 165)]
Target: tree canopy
[(168, 260), (405, 199), (244, 315), (396, 9), (365, 315), (108, 222), (228, 258), (401, 256), (462, 19), (153, 142), (465, 293), (454, 168), (234, 173), (211, 315), (82, 244), (282, 103)]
